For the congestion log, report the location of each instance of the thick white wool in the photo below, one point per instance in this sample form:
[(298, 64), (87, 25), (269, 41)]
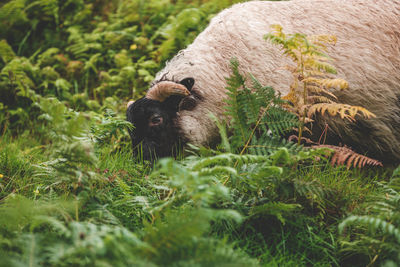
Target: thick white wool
[(367, 55)]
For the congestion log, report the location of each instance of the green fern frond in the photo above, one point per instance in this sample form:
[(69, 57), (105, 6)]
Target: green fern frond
[(311, 189), (374, 223), (266, 145), (217, 170), (280, 122), (227, 159), (13, 11), (254, 112), (6, 52), (277, 209)]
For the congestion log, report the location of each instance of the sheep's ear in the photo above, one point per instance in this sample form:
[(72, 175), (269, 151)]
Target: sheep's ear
[(173, 101), (188, 83)]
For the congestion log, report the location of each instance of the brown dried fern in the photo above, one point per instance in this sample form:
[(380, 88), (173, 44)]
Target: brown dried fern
[(318, 99), (344, 155), (314, 81), (327, 83), (319, 90), (345, 111)]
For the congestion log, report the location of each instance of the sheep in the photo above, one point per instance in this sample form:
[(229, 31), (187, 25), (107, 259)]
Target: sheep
[(367, 55)]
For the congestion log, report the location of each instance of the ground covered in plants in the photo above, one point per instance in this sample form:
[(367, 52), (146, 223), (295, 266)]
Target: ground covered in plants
[(71, 193)]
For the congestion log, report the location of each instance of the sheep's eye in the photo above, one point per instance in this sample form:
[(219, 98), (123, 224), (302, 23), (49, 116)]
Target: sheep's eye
[(155, 120)]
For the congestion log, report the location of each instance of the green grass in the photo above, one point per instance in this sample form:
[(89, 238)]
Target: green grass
[(172, 215)]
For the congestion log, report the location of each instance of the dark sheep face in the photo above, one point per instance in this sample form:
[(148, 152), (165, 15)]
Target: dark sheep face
[(156, 134)]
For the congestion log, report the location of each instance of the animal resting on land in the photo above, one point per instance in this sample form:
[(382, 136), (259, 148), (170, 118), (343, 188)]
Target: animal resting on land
[(176, 109)]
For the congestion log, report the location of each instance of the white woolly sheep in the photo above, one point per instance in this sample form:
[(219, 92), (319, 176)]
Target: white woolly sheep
[(367, 55)]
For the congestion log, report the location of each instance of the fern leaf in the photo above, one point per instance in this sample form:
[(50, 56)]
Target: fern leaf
[(322, 39), (328, 83), (311, 188), (345, 111), (335, 83), (277, 209), (227, 159), (13, 11), (372, 222), (280, 123), (218, 170), (266, 145), (344, 155), (6, 52), (312, 89), (318, 99), (320, 65), (234, 107)]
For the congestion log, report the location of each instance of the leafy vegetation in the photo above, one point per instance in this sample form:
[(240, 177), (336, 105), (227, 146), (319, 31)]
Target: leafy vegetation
[(376, 232), (310, 92), (71, 193)]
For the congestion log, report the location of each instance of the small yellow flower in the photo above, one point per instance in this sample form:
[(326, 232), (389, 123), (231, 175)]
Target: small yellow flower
[(133, 47), (1, 176)]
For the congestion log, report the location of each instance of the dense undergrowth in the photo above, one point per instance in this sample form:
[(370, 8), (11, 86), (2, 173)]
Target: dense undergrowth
[(71, 194)]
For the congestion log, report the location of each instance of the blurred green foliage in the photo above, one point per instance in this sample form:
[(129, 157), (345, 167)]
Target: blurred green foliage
[(85, 52)]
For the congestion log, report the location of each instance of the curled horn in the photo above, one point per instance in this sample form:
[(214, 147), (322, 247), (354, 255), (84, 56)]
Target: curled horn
[(164, 89)]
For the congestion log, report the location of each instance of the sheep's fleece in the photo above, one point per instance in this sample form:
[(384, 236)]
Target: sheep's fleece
[(367, 55)]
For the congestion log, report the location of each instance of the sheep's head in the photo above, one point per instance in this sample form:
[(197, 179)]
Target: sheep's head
[(156, 134)]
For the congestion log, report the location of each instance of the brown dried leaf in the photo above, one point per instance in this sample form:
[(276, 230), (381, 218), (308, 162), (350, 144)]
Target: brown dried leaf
[(344, 155)]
